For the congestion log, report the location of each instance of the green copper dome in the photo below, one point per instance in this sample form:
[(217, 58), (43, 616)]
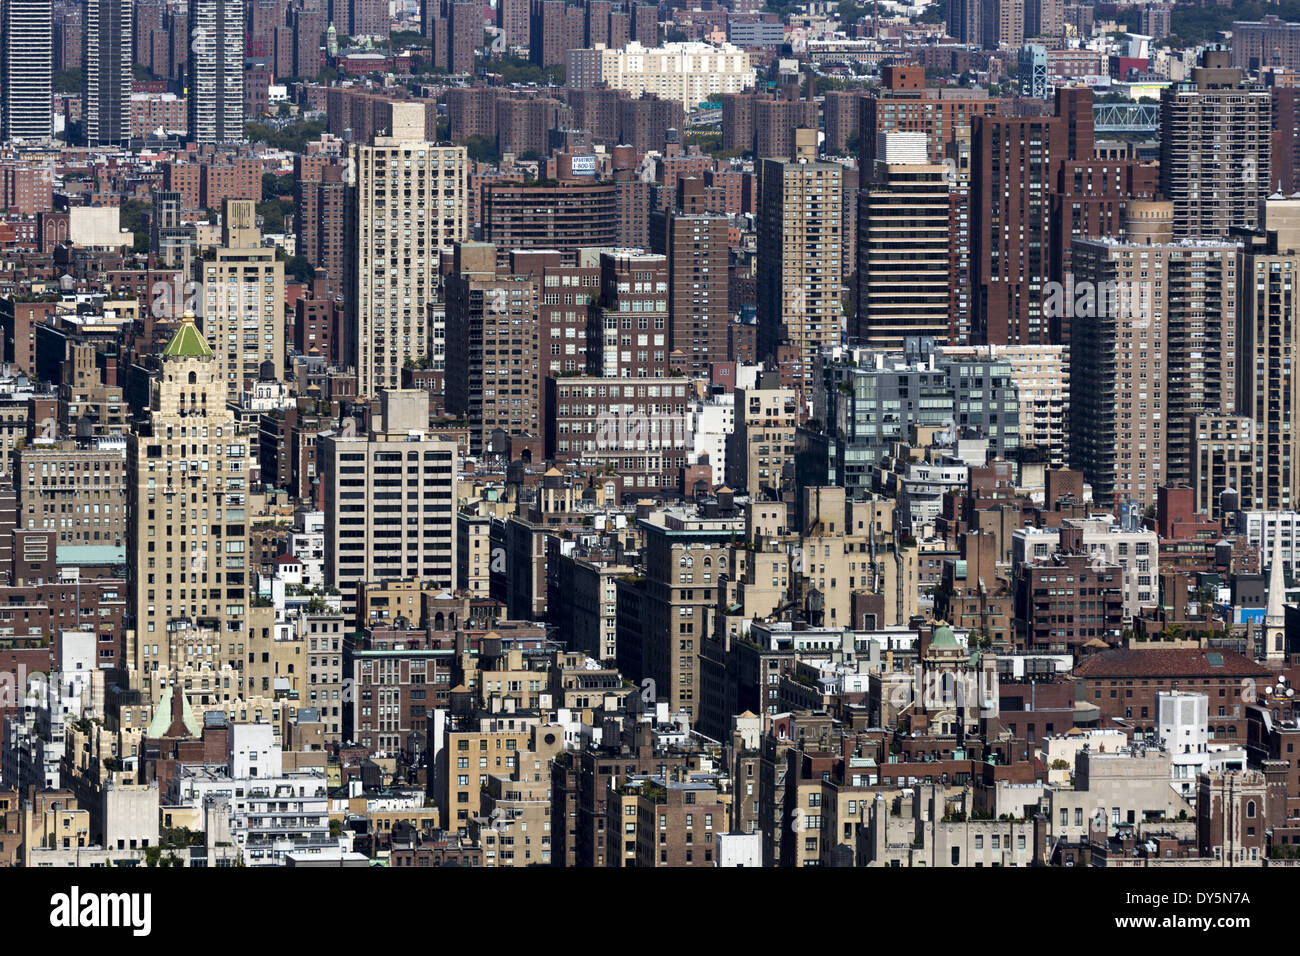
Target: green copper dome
[(188, 342), (943, 636)]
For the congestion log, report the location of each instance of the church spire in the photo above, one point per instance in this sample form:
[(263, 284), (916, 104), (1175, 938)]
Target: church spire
[(1275, 615)]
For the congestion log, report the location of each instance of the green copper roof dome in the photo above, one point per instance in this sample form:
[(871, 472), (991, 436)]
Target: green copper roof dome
[(188, 342), (943, 636)]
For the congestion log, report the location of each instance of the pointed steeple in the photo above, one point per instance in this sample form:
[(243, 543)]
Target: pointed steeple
[(1275, 614)]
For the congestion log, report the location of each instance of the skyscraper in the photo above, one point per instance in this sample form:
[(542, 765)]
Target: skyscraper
[(799, 259), (903, 245), (215, 88), (186, 482), (1268, 388), (492, 319), (697, 249), (1013, 165), (1216, 135), (106, 72), (408, 205), (1153, 327), (26, 65)]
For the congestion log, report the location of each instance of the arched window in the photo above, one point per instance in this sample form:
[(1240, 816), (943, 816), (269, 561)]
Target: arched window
[(1250, 809), (194, 378)]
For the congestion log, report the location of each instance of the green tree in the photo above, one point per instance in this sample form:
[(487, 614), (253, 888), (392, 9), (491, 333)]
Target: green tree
[(300, 268), (402, 39), (292, 137), (66, 81), (275, 214), (132, 217), (483, 149)]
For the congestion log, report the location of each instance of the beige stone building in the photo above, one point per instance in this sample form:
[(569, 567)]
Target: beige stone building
[(762, 442), (241, 296), (78, 491), (409, 203), (1141, 312), (1268, 388), (187, 480)]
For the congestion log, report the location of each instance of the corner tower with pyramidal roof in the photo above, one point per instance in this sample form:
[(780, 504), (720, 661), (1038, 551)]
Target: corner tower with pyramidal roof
[(187, 478), (188, 341)]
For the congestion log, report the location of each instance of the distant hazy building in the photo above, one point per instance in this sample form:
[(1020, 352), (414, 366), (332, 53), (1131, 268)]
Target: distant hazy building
[(1256, 44), (689, 73)]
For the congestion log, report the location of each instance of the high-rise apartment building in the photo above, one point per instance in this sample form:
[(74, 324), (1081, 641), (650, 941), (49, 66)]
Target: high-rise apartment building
[(1215, 149), (241, 286), (568, 217), (1268, 388), (215, 87), (627, 336), (1040, 375), (762, 443), (1013, 161), (906, 105), (697, 246), (1046, 18), (683, 553), (1154, 342), (26, 70), (361, 17), (1002, 23), (390, 500), (187, 477), (1015, 166), (106, 72), (409, 204), (904, 262), (1256, 44), (963, 18), (320, 214), (492, 333), (512, 22), (799, 258)]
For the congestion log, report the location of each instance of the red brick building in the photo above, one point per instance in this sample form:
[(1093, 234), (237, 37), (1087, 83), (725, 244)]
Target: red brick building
[(1124, 682)]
